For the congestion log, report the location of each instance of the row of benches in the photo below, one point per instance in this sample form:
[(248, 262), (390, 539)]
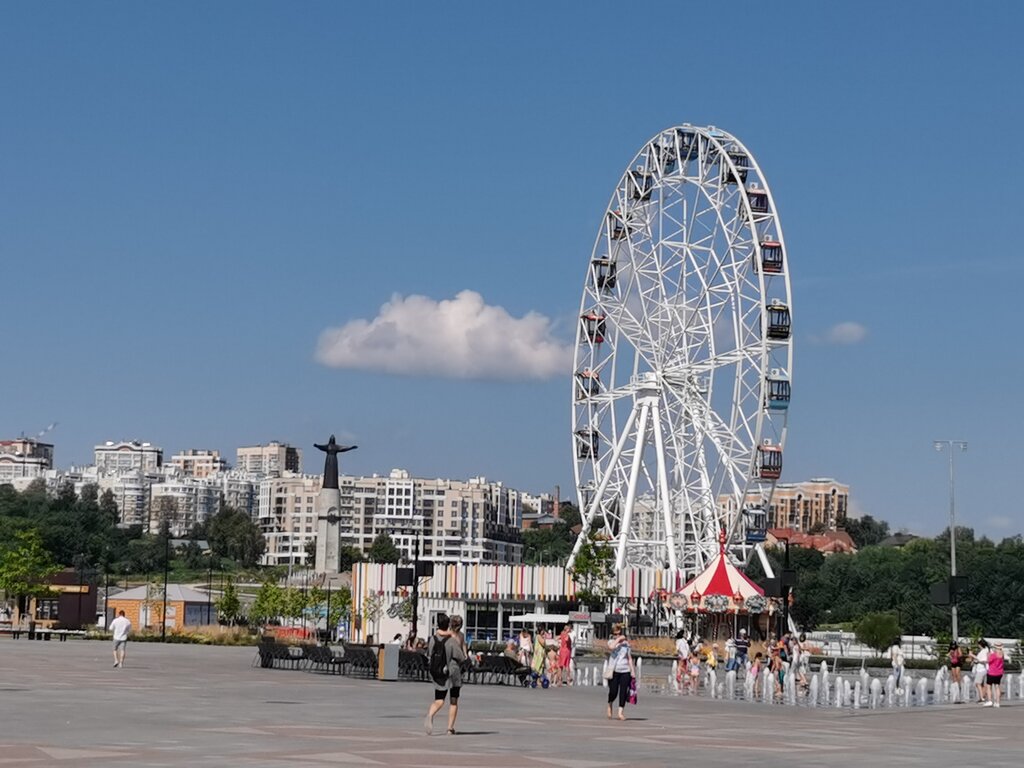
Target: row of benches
[(362, 660), (40, 634)]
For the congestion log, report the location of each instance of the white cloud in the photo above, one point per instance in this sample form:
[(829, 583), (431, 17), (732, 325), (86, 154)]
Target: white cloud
[(846, 333), (462, 338)]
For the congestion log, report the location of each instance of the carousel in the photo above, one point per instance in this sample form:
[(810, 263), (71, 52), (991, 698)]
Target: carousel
[(721, 600)]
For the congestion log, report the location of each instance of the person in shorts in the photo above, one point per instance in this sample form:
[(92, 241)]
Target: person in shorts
[(979, 670), (120, 628), (994, 675), (450, 683)]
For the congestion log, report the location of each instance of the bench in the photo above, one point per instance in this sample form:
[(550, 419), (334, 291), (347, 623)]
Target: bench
[(271, 654), (413, 665), (499, 668), (362, 659), (320, 658)]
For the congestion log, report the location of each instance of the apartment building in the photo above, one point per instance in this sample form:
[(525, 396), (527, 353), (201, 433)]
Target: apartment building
[(286, 515), (127, 456), (818, 502), (24, 458), (274, 458), (470, 521), (199, 463)]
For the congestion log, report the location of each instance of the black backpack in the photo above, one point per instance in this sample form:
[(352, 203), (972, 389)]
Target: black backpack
[(439, 660)]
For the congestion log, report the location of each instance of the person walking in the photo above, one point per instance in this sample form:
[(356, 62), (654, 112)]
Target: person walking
[(564, 668), (525, 647), (120, 629), (540, 655), (445, 656), (979, 670), (994, 676), (955, 656), (620, 664), (898, 663), (682, 657)]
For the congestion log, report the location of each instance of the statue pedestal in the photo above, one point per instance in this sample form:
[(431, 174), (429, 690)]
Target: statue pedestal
[(328, 531)]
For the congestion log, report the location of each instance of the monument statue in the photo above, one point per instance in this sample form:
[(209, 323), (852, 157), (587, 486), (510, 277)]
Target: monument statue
[(332, 449)]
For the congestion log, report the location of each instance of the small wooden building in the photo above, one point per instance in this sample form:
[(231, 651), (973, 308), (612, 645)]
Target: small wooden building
[(143, 607)]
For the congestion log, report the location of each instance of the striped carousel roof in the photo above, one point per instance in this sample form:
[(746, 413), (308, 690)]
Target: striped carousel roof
[(721, 578)]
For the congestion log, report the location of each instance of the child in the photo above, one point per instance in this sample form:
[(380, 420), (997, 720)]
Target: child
[(755, 670), (694, 671)]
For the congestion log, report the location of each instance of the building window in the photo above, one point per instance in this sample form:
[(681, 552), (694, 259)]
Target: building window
[(46, 609)]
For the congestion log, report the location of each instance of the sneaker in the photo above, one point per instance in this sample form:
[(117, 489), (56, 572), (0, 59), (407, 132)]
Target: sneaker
[(996, 704), (428, 726), (116, 665), (987, 704)]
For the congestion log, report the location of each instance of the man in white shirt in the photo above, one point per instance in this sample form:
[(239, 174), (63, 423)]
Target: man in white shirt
[(121, 628)]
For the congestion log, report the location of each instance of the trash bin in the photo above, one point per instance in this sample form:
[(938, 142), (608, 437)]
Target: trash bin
[(387, 661)]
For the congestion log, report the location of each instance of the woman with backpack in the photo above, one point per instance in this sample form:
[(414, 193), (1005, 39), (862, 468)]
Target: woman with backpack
[(445, 654)]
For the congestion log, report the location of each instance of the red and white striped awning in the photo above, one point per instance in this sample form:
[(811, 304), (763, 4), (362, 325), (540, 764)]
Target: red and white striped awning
[(721, 577)]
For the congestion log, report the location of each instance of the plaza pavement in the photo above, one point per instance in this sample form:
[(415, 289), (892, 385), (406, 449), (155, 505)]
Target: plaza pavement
[(61, 704)]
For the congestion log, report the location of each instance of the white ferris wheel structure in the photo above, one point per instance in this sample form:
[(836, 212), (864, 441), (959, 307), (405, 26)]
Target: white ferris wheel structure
[(683, 363)]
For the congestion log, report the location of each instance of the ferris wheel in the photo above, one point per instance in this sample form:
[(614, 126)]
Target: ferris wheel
[(683, 364)]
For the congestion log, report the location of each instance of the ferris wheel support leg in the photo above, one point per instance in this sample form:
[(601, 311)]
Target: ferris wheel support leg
[(666, 506), (588, 518), (765, 564), (634, 474)]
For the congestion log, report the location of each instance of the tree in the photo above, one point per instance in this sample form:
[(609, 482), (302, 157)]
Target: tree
[(383, 550), (866, 531), (310, 550), (26, 566), (878, 630), (268, 604), (594, 571), (229, 607), (293, 603), (547, 546), (373, 607), (232, 534), (341, 605), (569, 514), (108, 507), (349, 556)]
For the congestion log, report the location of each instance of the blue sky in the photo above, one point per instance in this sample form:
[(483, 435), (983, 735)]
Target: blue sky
[(191, 194)]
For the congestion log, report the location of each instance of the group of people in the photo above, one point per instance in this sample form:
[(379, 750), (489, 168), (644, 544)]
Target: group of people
[(548, 662), (695, 657), (986, 665)]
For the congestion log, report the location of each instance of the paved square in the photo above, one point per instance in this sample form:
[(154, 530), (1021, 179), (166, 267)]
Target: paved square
[(178, 705)]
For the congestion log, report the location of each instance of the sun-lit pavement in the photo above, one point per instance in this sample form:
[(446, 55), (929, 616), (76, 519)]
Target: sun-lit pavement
[(176, 705)]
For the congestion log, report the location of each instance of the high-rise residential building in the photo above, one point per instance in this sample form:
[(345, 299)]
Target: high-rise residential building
[(816, 503), (182, 504), (286, 515), (131, 493), (127, 456), (199, 463), (24, 458), (274, 458), (473, 521)]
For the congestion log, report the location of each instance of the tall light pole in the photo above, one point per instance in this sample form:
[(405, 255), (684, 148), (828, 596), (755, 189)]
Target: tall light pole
[(952, 445)]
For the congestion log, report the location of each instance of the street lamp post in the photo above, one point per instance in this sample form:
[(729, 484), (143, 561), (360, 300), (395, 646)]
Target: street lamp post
[(939, 446), (167, 566)]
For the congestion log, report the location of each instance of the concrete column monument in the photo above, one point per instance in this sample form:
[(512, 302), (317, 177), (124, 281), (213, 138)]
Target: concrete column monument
[(328, 511)]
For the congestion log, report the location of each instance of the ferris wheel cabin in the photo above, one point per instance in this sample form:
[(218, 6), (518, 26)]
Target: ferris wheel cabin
[(778, 321), (588, 384), (777, 392), (758, 198), (603, 273), (640, 184), (742, 163), (771, 257), (755, 523), (593, 327), (769, 462), (586, 443), (617, 227)]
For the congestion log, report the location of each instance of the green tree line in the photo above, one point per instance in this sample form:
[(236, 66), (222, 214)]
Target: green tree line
[(843, 588)]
